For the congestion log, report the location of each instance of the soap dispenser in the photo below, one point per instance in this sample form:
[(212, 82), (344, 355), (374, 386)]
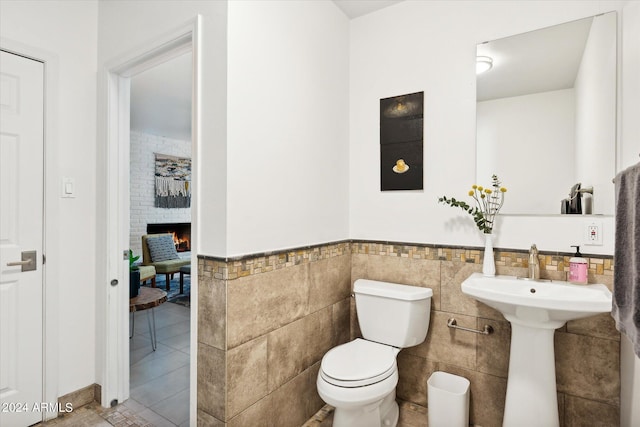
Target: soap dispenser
[(578, 268)]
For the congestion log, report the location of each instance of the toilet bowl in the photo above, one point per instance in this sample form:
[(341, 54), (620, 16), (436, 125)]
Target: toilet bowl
[(359, 378)]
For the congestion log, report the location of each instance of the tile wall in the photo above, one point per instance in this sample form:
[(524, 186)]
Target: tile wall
[(265, 322)]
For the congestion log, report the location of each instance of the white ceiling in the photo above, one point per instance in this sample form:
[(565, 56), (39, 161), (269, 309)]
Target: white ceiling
[(161, 99), (357, 8), (161, 96), (533, 62)]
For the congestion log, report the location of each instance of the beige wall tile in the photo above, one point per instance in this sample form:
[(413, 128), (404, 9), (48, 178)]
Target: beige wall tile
[(486, 405), (212, 380), (261, 303), (212, 312), (588, 367), (247, 374), (78, 398), (414, 371), (444, 344), (412, 415), (602, 326), (329, 281), (452, 299), (206, 420), (407, 271), (298, 345), (268, 311), (494, 349), (313, 400), (355, 327), (260, 414), (296, 401), (341, 321), (582, 412)]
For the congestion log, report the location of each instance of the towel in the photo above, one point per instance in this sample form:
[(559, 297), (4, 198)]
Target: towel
[(626, 275)]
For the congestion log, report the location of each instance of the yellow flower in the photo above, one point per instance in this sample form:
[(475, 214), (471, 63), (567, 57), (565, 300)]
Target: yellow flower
[(482, 196), (487, 190), (471, 192), (474, 186), (503, 189), (480, 188)]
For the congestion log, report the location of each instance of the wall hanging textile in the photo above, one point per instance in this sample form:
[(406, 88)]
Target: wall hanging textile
[(173, 181)]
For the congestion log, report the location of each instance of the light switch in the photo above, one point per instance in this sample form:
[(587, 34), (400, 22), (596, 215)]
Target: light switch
[(68, 187)]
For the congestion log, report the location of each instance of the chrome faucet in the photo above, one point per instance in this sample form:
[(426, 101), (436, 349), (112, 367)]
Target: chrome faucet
[(534, 263)]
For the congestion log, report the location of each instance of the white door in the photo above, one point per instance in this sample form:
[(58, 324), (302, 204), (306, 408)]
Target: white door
[(21, 239)]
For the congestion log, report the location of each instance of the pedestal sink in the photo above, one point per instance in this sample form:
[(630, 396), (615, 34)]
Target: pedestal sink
[(535, 309)]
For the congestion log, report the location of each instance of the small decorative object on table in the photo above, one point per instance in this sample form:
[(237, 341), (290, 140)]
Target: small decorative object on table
[(134, 275), (488, 203)]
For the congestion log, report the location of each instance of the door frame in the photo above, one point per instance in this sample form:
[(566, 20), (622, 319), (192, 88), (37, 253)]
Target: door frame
[(113, 203), (50, 216)]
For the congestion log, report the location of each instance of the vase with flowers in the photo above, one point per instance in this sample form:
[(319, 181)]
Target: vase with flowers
[(488, 202)]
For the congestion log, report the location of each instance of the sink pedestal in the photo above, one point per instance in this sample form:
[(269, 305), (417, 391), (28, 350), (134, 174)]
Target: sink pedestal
[(531, 385), (535, 310)]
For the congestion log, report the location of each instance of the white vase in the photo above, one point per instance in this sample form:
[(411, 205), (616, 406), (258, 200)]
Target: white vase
[(488, 264)]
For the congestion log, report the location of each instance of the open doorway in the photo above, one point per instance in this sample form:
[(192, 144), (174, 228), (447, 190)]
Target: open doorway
[(160, 158), (114, 301)]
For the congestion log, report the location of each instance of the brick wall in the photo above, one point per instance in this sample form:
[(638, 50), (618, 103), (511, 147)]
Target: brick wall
[(142, 188)]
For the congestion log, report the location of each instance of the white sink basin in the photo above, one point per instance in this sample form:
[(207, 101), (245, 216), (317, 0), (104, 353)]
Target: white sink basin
[(538, 303), (535, 309)]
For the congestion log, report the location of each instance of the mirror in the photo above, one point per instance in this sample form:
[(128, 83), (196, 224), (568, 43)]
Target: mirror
[(546, 117)]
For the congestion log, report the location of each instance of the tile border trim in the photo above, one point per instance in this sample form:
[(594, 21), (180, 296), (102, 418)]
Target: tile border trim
[(230, 268)]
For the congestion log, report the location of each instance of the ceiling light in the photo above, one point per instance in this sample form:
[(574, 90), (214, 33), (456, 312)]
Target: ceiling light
[(483, 63)]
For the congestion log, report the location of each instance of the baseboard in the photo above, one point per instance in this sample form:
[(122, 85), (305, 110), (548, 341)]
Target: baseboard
[(79, 398)]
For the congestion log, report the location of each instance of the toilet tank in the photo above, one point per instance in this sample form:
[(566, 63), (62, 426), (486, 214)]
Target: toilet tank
[(392, 313)]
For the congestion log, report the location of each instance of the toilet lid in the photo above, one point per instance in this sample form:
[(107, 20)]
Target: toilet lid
[(358, 363)]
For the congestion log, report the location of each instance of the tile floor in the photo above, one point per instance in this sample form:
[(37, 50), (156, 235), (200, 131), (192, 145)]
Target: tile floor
[(159, 380)]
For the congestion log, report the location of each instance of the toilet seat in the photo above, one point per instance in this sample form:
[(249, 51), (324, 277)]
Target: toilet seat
[(358, 363)]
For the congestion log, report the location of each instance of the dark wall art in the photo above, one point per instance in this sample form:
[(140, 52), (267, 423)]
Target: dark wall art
[(173, 181), (401, 135)]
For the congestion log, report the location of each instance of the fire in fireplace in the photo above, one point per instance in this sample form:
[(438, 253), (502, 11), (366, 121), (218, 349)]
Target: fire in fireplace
[(181, 233)]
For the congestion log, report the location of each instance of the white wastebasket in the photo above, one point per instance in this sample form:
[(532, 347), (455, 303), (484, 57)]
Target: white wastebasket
[(448, 400)]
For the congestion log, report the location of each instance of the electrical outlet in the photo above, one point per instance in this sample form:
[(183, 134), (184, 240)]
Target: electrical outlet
[(593, 233)]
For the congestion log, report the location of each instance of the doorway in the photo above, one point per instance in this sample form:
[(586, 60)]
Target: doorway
[(159, 193), (114, 341)]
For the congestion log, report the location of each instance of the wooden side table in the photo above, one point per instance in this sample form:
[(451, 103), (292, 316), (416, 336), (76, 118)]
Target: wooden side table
[(147, 299)]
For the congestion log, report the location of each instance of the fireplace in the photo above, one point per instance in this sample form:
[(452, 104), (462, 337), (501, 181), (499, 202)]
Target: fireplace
[(181, 233)]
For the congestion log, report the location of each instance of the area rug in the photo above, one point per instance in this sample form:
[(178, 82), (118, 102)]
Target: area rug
[(174, 295)]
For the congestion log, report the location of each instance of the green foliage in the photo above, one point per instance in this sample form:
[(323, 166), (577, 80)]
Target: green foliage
[(488, 204), (478, 216), (132, 260)]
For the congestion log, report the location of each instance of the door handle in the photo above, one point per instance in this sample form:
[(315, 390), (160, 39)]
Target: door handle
[(28, 262), (14, 263)]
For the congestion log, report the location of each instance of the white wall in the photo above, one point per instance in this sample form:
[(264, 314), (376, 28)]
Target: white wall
[(127, 26), (628, 155), (143, 147), (537, 129), (434, 51), (67, 30), (288, 125), (595, 88)]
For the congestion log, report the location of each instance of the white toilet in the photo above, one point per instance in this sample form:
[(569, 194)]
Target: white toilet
[(359, 378)]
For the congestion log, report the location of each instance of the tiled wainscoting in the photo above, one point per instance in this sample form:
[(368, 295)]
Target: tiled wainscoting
[(265, 321)]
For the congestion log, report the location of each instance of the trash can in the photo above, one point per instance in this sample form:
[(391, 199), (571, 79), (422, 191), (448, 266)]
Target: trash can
[(448, 400)]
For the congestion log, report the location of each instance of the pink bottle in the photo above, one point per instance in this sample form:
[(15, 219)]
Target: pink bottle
[(578, 268)]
